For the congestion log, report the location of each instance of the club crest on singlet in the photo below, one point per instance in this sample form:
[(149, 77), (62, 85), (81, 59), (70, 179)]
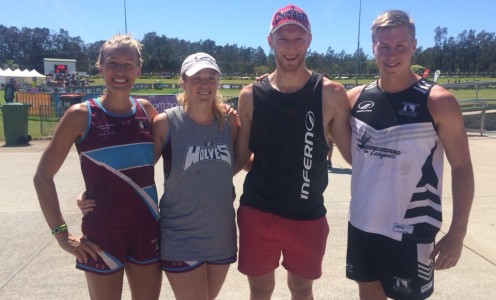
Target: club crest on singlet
[(379, 152), (409, 109), (209, 151), (105, 129)]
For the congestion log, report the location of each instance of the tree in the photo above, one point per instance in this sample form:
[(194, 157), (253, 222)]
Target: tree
[(10, 44), (417, 69), (260, 70), (467, 53), (361, 60), (92, 52), (209, 47), (315, 61), (440, 36), (10, 64), (260, 59)]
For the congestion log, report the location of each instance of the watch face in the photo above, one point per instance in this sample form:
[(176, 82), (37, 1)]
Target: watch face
[(59, 229)]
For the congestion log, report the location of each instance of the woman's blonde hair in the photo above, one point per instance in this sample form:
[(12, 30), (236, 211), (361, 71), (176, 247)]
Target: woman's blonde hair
[(392, 19), (217, 105), (120, 40)]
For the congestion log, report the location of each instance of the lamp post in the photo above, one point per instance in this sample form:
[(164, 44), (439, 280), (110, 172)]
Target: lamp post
[(449, 66), (358, 45), (449, 69), (125, 16)]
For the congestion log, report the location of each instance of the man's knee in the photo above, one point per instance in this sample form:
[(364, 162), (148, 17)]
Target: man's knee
[(299, 287), (261, 287), (371, 290)]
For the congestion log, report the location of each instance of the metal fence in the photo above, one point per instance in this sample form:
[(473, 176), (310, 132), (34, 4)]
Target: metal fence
[(479, 115), (47, 109)]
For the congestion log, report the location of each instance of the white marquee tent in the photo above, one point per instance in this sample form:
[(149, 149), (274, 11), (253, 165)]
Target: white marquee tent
[(25, 76)]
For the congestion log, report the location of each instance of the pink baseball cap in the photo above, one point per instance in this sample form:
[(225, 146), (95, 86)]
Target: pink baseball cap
[(287, 15)]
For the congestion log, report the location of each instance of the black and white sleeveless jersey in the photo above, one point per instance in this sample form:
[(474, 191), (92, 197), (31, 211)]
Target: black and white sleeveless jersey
[(289, 174), (397, 164)]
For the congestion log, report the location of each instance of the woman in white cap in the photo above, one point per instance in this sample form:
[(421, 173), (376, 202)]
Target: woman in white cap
[(198, 229)]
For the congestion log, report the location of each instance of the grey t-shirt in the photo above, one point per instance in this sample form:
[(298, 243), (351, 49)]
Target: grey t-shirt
[(198, 218)]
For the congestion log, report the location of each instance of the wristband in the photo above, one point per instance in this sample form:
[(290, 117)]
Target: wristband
[(59, 229)]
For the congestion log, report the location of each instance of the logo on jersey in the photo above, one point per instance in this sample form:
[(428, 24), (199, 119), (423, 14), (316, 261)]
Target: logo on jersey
[(402, 228), (105, 129), (426, 287), (376, 151), (143, 123), (423, 86), (349, 267), (365, 106), (307, 155), (207, 152), (402, 285), (409, 110)]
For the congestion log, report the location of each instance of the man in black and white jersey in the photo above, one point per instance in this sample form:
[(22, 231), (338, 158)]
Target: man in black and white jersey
[(402, 125), (284, 122)]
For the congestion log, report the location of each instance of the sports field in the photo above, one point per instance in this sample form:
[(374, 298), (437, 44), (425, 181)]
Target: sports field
[(40, 129), (460, 94)]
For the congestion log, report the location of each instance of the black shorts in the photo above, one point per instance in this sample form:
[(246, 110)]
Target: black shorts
[(403, 267)]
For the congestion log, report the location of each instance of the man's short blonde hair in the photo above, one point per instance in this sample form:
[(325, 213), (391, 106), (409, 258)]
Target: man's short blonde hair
[(392, 19)]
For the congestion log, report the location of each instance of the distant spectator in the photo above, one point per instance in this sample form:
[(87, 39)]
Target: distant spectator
[(10, 90), (84, 82), (72, 81), (34, 85), (330, 144)]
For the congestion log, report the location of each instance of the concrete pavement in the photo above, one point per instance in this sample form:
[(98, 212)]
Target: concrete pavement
[(32, 266)]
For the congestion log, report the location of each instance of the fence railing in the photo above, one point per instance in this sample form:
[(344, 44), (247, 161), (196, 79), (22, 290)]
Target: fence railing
[(475, 113), (47, 109)]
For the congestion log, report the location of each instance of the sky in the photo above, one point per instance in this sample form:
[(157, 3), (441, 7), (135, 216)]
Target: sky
[(335, 23)]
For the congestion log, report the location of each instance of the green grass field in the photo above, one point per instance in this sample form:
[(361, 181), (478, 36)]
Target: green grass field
[(460, 94), (42, 129)]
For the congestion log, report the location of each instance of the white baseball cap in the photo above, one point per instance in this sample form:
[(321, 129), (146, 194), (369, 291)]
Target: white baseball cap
[(197, 62)]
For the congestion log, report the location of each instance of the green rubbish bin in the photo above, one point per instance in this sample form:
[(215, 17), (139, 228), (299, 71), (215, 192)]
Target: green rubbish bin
[(15, 123)]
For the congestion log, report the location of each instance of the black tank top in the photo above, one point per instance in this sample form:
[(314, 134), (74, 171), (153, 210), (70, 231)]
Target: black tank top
[(289, 173)]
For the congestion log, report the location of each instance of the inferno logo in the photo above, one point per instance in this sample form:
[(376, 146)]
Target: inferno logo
[(307, 155)]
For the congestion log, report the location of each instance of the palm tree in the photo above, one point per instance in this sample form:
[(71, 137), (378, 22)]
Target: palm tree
[(10, 64)]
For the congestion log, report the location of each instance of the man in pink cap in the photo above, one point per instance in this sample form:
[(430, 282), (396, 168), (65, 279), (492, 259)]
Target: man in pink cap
[(285, 119)]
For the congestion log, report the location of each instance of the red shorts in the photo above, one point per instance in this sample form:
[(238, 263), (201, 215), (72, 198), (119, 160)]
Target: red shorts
[(138, 245), (263, 237)]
